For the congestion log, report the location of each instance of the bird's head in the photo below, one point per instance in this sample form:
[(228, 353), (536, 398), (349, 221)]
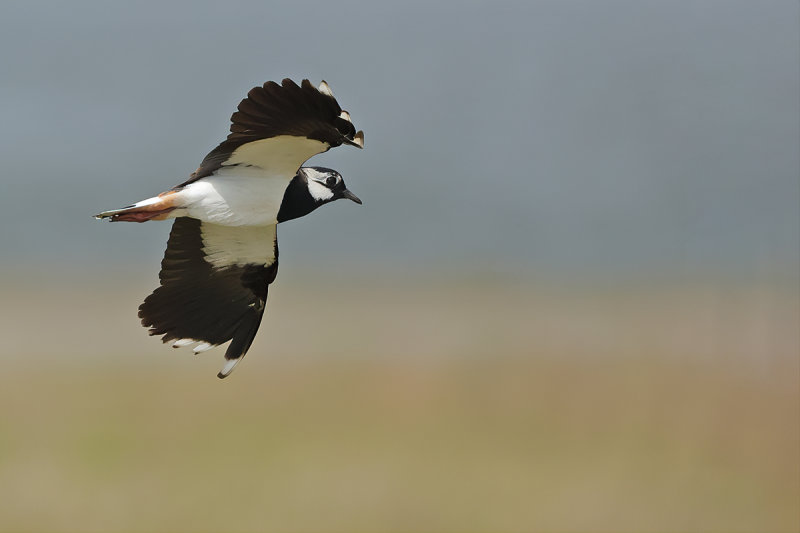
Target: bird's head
[(311, 188), (326, 185)]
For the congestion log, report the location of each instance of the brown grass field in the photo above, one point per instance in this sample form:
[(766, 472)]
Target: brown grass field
[(458, 406)]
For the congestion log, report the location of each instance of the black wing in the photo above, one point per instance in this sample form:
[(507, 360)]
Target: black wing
[(278, 127), (214, 282)]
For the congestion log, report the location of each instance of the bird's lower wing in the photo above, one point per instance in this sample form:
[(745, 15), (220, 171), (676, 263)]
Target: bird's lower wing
[(214, 282)]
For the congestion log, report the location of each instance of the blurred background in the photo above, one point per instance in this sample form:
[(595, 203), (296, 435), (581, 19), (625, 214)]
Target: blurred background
[(570, 301)]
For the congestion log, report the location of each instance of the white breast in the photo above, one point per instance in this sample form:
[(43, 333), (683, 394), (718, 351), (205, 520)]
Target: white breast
[(235, 196)]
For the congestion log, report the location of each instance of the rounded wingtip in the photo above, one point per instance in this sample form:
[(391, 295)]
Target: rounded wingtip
[(202, 347), (228, 368), (325, 89)]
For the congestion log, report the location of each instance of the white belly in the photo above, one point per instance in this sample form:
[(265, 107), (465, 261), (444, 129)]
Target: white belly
[(234, 197)]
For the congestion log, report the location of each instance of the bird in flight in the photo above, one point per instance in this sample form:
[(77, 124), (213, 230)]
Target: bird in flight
[(222, 252)]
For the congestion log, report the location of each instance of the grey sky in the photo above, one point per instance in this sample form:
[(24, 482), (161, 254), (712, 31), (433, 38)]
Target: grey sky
[(629, 137)]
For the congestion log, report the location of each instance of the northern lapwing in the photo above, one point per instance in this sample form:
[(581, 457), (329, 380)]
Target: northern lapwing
[(222, 252)]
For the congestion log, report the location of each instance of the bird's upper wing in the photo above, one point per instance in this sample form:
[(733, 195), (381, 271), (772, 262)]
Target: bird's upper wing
[(278, 127), (214, 282)]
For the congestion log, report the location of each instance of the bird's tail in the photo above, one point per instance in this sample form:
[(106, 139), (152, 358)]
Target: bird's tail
[(155, 208)]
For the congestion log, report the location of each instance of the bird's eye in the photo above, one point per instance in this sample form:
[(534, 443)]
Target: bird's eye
[(331, 181)]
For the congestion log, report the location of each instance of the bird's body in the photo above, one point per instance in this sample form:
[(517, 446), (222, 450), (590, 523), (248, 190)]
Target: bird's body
[(222, 253), (231, 197)]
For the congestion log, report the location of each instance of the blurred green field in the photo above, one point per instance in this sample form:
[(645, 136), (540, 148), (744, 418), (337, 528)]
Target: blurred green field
[(438, 407)]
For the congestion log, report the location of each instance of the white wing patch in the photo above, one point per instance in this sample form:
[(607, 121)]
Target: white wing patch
[(279, 156), (180, 343), (228, 368), (202, 347), (325, 89), (225, 246)]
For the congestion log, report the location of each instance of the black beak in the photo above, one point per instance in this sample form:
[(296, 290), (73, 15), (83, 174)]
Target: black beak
[(350, 196)]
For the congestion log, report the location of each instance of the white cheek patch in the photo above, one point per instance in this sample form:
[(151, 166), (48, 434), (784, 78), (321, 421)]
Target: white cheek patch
[(318, 191), (313, 174)]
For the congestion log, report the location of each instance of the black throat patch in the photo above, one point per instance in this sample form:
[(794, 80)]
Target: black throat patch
[(297, 201)]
